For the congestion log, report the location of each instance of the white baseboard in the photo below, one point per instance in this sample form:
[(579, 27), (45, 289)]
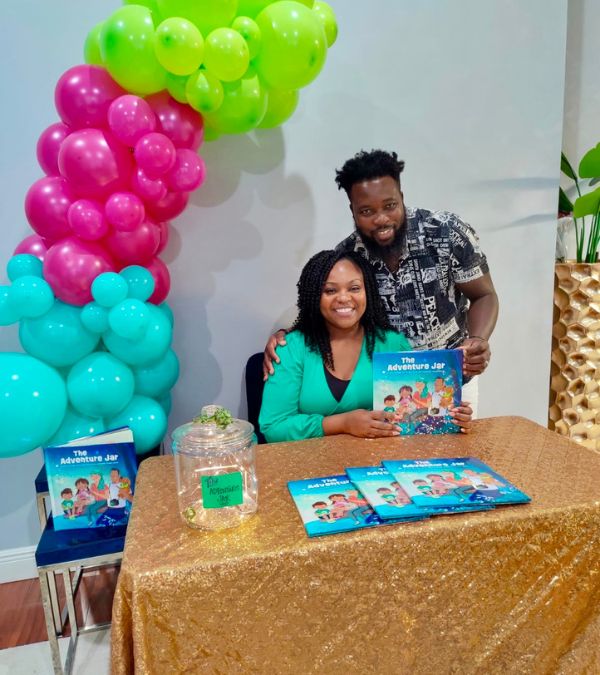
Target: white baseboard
[(17, 564)]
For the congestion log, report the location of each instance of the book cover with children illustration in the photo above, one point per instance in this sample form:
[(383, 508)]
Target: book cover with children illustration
[(463, 482), (419, 387), (91, 480), (331, 504)]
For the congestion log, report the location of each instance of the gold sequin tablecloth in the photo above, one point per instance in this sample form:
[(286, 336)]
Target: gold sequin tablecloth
[(515, 590)]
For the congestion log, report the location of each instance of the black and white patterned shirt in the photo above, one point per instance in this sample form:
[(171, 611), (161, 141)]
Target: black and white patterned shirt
[(421, 298)]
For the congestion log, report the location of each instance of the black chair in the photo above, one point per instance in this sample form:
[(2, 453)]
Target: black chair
[(254, 391)]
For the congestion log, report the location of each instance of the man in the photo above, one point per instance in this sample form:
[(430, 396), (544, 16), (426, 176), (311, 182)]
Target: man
[(433, 278)]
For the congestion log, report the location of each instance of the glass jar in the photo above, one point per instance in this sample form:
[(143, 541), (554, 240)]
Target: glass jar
[(216, 473)]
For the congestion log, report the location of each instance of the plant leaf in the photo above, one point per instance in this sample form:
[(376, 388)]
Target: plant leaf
[(564, 203), (589, 167), (587, 205), (566, 167)]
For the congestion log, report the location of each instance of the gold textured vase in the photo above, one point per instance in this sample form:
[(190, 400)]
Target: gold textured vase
[(574, 408)]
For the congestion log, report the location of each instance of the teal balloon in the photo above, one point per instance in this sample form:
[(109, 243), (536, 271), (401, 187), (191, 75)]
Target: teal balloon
[(100, 385), (158, 378), (58, 337), (24, 265), (166, 403), (151, 347), (139, 281), (75, 426), (146, 419), (33, 401), (109, 288), (168, 312), (8, 314), (31, 296), (129, 319), (95, 317)]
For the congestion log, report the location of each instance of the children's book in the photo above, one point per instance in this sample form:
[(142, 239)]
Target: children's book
[(419, 387), (456, 482), (332, 504), (91, 480)]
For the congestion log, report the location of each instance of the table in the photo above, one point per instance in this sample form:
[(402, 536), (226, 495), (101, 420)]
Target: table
[(515, 590)]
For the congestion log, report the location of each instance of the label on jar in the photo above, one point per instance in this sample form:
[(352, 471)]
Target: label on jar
[(222, 490)]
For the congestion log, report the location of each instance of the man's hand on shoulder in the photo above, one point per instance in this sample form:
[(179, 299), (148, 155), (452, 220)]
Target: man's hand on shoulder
[(270, 353), (476, 355)]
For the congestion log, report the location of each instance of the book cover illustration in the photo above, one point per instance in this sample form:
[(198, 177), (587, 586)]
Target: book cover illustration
[(383, 492), (330, 505), (92, 480), (456, 482), (419, 387)]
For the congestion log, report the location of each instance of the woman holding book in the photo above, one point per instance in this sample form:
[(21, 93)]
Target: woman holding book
[(324, 385)]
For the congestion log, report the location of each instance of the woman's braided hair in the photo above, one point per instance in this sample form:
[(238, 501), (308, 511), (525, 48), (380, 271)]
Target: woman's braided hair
[(310, 321)]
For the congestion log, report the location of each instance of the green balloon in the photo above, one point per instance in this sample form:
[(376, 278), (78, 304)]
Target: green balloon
[(176, 86), (24, 265), (205, 14), (157, 378), (109, 288), (280, 107), (129, 319), (204, 92), (226, 54), (140, 282), (74, 426), (243, 108), (327, 17), (127, 49), (95, 317), (91, 47), (31, 296), (249, 30), (33, 400), (8, 313), (294, 45), (146, 419), (179, 46)]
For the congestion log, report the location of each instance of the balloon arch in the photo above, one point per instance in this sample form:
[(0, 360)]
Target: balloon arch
[(88, 287)]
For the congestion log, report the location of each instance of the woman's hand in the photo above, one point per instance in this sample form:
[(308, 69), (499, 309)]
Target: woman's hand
[(462, 416), (369, 424)]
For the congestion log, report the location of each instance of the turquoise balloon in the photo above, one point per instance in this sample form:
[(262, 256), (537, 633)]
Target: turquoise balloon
[(58, 337), (33, 400), (168, 312), (95, 317), (100, 385), (139, 281), (109, 288), (166, 403), (146, 419), (24, 265), (129, 319), (74, 426), (8, 314), (158, 378), (151, 347), (31, 296)]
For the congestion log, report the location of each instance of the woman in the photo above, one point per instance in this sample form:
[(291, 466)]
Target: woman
[(324, 384)]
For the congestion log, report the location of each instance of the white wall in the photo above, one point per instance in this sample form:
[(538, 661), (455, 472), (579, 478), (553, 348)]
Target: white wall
[(469, 93)]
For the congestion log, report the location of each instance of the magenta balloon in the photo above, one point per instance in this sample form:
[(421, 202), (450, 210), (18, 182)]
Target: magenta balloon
[(46, 205), (169, 207), (149, 189), (83, 95), (48, 146), (94, 163), (165, 231), (187, 173), (130, 118), (162, 280), (155, 154), (179, 122), (33, 245), (70, 267), (124, 211), (87, 221), (135, 247)]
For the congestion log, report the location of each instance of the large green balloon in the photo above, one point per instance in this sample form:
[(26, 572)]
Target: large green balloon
[(179, 46), (280, 107), (33, 400), (75, 425), (243, 108), (205, 14), (127, 49), (146, 419), (157, 378), (294, 45), (58, 337)]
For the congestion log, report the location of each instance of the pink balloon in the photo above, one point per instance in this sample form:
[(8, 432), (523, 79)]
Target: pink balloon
[(70, 267), (162, 280), (165, 231), (169, 207), (46, 206), (33, 245), (48, 146), (87, 220), (179, 122), (188, 172), (83, 95), (130, 118), (94, 163), (135, 247), (149, 189), (155, 154), (124, 211)]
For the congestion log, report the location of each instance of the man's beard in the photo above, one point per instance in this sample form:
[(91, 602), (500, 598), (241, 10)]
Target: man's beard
[(393, 249)]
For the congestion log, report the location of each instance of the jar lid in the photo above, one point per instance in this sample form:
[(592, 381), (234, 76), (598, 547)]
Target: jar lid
[(214, 428)]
